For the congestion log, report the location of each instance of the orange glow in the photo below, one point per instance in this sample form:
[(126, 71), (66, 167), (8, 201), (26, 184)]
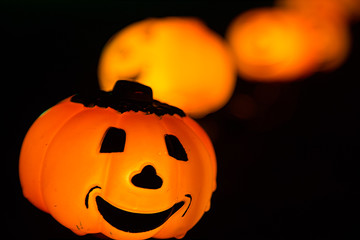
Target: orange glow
[(353, 8), (185, 63), (344, 10), (329, 19), (66, 170), (334, 43), (273, 45)]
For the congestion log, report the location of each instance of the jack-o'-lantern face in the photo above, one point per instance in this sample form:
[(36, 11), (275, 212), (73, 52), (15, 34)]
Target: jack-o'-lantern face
[(98, 167)]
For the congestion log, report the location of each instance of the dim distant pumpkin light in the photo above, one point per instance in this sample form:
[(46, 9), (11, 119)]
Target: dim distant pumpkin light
[(330, 10), (272, 45), (329, 19)]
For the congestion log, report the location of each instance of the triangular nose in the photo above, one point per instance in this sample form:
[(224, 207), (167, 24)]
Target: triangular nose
[(147, 178)]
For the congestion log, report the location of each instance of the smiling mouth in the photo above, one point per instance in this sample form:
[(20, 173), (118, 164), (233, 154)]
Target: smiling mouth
[(134, 222)]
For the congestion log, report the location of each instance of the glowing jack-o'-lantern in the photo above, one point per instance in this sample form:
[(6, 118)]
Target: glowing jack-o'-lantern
[(185, 63), (270, 44), (119, 163)]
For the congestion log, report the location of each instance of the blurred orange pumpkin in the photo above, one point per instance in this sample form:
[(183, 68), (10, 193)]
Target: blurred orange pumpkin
[(184, 62), (329, 19), (270, 44), (119, 163)]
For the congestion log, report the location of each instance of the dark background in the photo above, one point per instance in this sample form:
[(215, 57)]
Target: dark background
[(287, 153)]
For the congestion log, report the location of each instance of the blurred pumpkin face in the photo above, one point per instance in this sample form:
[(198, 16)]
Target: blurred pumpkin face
[(185, 63), (272, 45), (130, 175)]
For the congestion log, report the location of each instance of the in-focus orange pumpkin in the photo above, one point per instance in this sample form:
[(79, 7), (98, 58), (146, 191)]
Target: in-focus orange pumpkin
[(185, 63), (270, 44), (119, 163)]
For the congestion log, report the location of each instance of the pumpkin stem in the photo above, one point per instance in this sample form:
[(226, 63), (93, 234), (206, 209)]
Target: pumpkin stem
[(133, 91), (127, 96)]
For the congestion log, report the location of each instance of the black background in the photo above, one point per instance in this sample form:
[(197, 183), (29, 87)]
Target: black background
[(289, 171)]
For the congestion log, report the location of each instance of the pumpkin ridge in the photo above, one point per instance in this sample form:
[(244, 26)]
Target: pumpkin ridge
[(46, 152)]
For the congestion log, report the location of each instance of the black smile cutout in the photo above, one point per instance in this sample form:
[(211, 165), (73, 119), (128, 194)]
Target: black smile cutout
[(133, 222)]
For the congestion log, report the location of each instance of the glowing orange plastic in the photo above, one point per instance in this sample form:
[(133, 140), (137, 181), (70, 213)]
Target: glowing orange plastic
[(270, 44), (185, 63), (345, 10), (65, 171), (329, 19)]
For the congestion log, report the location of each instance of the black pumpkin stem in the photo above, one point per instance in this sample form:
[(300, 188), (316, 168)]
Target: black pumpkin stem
[(127, 96)]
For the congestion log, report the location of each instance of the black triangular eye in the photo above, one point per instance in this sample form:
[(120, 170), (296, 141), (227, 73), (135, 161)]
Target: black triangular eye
[(175, 148), (114, 140)]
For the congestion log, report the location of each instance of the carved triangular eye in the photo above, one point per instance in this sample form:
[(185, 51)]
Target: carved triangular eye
[(114, 140), (175, 148)]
